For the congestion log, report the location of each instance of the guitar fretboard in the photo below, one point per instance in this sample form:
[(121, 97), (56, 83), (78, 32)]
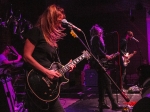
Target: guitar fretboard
[(66, 68)]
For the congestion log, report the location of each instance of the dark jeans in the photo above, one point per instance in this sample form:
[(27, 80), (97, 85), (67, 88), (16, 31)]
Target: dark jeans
[(35, 105), (123, 76), (104, 86)]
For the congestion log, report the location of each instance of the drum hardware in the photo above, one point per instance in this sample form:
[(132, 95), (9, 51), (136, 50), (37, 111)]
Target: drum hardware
[(9, 92)]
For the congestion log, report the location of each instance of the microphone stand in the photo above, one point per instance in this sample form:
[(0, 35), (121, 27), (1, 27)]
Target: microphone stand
[(103, 68)]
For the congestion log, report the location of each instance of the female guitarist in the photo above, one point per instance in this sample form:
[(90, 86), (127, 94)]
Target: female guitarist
[(40, 51), (98, 48)]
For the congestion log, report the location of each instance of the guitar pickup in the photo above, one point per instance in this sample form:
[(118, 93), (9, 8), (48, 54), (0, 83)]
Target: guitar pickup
[(46, 81)]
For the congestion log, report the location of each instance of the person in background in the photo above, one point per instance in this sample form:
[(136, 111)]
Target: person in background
[(40, 51), (5, 61), (98, 49), (86, 67)]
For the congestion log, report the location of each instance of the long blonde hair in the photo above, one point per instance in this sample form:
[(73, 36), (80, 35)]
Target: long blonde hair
[(49, 24)]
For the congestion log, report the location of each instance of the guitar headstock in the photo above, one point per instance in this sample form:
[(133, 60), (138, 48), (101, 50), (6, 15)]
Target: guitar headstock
[(86, 54)]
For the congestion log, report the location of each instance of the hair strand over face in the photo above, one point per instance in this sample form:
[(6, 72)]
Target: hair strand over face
[(50, 24)]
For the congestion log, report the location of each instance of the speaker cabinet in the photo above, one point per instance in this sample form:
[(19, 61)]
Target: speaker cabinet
[(7, 96), (91, 77), (146, 88), (143, 105)]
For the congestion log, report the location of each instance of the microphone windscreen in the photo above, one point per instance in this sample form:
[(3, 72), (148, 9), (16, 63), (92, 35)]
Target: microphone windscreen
[(64, 21)]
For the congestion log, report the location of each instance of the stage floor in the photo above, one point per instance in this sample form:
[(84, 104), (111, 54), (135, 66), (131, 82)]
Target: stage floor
[(89, 103)]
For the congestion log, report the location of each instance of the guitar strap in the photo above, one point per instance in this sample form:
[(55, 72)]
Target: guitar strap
[(57, 52)]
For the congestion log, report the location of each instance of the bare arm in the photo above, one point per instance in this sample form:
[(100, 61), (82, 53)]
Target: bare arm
[(28, 50), (13, 61)]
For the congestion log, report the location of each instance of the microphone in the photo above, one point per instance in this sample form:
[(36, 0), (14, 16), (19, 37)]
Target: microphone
[(135, 39), (70, 24)]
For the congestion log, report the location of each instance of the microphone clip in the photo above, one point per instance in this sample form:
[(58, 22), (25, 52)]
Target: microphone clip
[(73, 34)]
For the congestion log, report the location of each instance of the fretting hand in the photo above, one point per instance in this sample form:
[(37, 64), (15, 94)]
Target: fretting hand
[(108, 57), (72, 66)]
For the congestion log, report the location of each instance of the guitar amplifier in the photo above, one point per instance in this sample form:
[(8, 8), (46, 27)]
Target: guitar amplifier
[(91, 77)]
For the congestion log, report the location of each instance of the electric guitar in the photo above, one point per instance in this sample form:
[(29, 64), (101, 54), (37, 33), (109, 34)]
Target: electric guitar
[(47, 89), (126, 58), (105, 60)]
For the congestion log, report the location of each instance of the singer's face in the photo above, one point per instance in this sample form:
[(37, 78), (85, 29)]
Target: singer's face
[(60, 18), (128, 37)]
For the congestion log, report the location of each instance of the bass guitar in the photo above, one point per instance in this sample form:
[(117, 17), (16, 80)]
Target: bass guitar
[(126, 58), (47, 89)]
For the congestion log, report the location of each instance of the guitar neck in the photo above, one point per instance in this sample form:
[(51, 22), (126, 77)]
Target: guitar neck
[(131, 55), (115, 54), (66, 68)]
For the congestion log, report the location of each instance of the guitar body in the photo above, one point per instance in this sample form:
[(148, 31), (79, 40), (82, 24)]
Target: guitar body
[(126, 58), (107, 62), (44, 88), (126, 61)]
